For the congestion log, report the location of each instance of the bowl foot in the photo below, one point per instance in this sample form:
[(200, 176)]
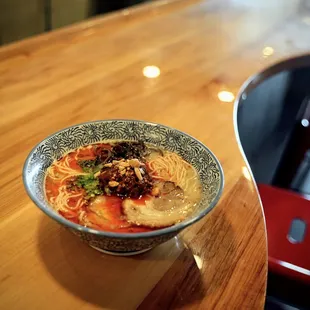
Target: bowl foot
[(115, 253)]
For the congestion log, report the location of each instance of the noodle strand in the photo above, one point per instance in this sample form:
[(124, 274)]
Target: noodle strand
[(173, 168)]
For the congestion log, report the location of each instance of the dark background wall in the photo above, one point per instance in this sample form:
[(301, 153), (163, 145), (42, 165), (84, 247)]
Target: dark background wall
[(272, 133), (21, 19), (258, 119)]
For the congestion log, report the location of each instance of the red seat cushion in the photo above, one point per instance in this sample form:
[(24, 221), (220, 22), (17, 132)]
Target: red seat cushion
[(281, 207)]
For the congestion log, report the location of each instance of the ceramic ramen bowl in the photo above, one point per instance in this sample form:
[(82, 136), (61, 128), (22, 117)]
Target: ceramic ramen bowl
[(190, 149)]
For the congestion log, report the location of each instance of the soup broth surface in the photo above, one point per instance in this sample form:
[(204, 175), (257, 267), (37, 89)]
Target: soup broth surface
[(123, 186)]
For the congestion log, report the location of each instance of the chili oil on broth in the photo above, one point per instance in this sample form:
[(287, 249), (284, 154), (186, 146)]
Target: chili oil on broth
[(123, 186)]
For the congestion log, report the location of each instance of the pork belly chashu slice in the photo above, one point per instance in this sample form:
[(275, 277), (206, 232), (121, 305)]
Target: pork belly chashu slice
[(152, 212)]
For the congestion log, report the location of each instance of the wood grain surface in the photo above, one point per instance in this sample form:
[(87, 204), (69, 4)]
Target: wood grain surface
[(92, 71)]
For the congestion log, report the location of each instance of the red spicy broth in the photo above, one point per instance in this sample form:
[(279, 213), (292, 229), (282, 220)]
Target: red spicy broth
[(112, 218), (122, 186)]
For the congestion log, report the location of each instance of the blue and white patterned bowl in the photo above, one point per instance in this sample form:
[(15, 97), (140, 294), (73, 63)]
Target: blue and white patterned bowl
[(193, 151)]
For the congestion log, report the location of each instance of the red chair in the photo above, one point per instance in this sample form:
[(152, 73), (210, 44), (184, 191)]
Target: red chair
[(288, 227)]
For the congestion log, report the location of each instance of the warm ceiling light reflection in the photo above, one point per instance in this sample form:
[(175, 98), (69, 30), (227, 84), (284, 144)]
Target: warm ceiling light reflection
[(246, 173), (198, 261), (226, 96), (151, 72), (268, 51)]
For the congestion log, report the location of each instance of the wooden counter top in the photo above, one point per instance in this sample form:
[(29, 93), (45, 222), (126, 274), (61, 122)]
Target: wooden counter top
[(94, 70)]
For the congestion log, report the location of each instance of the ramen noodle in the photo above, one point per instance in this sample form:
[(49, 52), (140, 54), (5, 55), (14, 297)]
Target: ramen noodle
[(123, 186)]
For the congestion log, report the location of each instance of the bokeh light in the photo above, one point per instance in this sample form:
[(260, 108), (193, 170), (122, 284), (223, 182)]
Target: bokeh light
[(226, 96), (268, 51), (151, 72)]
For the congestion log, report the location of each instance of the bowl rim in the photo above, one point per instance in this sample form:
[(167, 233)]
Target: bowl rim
[(140, 235)]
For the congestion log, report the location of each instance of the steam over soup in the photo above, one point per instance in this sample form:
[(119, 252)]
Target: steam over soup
[(123, 186)]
